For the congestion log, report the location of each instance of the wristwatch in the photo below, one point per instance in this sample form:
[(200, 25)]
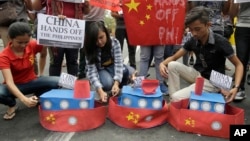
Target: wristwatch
[(236, 86)]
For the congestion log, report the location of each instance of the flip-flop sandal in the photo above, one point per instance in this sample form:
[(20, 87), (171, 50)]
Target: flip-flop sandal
[(9, 116)]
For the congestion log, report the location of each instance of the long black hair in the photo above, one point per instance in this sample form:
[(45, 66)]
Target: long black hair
[(90, 46)]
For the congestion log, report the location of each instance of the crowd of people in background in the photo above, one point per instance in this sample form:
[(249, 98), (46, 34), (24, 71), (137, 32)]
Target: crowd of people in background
[(208, 27)]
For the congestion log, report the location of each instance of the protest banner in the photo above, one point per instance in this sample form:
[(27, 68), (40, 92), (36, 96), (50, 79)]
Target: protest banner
[(154, 22), (221, 80), (55, 32), (73, 1), (241, 1), (113, 5), (67, 80)]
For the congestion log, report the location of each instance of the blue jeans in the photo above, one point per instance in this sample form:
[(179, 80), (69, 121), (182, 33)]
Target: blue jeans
[(106, 76), (38, 86), (242, 36), (146, 51)]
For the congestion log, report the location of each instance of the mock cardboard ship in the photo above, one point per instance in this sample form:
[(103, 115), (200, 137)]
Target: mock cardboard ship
[(71, 110), (139, 108), (208, 102), (204, 113), (136, 98)]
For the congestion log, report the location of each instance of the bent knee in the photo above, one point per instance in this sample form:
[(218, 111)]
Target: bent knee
[(175, 97)]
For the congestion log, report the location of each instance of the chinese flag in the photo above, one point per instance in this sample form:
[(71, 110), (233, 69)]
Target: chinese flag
[(113, 5), (154, 22)]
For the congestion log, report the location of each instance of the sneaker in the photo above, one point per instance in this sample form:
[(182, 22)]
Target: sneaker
[(164, 88), (240, 95)]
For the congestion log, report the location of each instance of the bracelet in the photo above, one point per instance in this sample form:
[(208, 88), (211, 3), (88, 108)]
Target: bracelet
[(32, 12), (235, 86)]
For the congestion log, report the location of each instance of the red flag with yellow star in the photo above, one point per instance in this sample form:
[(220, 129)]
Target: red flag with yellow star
[(203, 122), (154, 22), (136, 118)]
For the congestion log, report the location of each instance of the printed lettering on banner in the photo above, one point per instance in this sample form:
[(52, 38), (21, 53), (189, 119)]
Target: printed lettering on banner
[(221, 80), (55, 32), (67, 80)]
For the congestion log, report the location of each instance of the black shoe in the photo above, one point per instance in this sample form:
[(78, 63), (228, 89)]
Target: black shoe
[(248, 79), (133, 66), (241, 95), (191, 60)]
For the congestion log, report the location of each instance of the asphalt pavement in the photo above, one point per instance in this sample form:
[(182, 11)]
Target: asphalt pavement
[(26, 126)]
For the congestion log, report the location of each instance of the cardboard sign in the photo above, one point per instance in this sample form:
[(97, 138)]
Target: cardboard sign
[(221, 80), (241, 1), (138, 81), (67, 80), (55, 32)]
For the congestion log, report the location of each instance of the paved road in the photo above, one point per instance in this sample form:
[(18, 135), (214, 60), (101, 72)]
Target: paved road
[(26, 127)]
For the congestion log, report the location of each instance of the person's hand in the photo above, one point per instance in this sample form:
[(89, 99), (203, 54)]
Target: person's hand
[(163, 70), (30, 101), (115, 89), (229, 95), (133, 77), (103, 96), (62, 17)]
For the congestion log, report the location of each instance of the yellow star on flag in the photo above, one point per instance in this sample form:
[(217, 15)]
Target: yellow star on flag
[(190, 122), (187, 122), (147, 16), (130, 117), (132, 5), (149, 7)]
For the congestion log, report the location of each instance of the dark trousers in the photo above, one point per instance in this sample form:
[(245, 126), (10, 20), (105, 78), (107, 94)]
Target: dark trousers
[(242, 36), (121, 34), (56, 59)]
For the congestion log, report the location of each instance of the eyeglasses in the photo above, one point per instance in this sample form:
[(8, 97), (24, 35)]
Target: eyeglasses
[(204, 64)]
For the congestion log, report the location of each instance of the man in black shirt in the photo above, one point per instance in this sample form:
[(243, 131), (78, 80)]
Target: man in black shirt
[(211, 50)]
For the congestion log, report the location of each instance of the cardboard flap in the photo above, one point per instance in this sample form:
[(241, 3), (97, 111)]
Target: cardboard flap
[(149, 86)]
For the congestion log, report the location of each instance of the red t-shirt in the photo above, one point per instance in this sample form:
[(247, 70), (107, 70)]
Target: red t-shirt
[(22, 68), (68, 9)]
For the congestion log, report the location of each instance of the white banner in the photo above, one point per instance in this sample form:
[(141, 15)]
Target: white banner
[(55, 32), (221, 80), (67, 81), (207, 0), (241, 1), (73, 1)]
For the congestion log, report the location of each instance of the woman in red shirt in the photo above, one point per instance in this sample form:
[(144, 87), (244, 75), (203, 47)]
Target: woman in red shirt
[(17, 67)]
